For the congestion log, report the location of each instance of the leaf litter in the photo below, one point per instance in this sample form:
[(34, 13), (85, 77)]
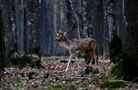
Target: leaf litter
[(54, 77)]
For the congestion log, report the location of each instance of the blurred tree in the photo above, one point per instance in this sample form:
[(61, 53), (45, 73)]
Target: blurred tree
[(2, 64), (6, 28)]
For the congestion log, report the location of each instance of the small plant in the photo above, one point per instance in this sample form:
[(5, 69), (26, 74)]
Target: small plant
[(55, 85), (113, 83), (117, 71)]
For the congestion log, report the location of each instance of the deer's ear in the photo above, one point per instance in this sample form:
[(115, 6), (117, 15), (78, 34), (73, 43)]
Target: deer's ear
[(60, 31), (65, 33)]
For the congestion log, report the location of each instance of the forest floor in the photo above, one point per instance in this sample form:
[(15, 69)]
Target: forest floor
[(53, 77)]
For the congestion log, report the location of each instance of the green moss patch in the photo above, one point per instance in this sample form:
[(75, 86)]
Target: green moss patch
[(114, 83)]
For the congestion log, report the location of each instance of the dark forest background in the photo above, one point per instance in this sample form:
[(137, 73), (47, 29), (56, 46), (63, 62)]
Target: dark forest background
[(26, 24)]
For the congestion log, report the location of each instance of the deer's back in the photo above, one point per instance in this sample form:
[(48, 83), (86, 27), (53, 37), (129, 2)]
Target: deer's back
[(84, 43)]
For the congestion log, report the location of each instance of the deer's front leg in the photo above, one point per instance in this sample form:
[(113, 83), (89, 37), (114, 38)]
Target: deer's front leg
[(68, 63)]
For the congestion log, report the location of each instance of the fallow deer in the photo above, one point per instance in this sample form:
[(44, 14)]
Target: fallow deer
[(75, 46)]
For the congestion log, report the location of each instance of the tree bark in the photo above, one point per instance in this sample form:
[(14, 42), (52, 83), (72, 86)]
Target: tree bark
[(7, 27), (130, 39), (2, 48), (32, 22)]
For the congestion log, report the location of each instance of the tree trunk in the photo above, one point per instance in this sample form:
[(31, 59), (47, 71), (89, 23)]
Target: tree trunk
[(19, 17), (7, 27), (130, 39), (32, 24), (2, 64), (109, 25)]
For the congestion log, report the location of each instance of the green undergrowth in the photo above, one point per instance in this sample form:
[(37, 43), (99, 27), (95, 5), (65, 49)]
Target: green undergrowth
[(116, 57), (115, 76), (117, 71), (86, 56), (110, 83)]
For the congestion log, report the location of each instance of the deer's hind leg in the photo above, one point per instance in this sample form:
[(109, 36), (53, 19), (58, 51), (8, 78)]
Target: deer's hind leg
[(93, 57), (78, 61)]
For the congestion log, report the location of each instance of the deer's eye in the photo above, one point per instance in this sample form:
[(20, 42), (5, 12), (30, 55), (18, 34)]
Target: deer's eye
[(61, 34)]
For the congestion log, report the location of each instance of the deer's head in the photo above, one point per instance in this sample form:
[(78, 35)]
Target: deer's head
[(60, 36)]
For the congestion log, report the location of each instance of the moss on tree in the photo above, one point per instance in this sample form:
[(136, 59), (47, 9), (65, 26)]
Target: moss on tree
[(115, 48)]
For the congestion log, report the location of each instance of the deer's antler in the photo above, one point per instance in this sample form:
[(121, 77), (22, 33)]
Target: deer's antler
[(62, 24), (74, 25)]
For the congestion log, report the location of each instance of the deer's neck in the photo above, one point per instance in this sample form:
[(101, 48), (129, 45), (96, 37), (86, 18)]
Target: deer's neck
[(65, 42)]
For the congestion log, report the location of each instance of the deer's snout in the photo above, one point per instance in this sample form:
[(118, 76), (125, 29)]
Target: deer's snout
[(57, 39)]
